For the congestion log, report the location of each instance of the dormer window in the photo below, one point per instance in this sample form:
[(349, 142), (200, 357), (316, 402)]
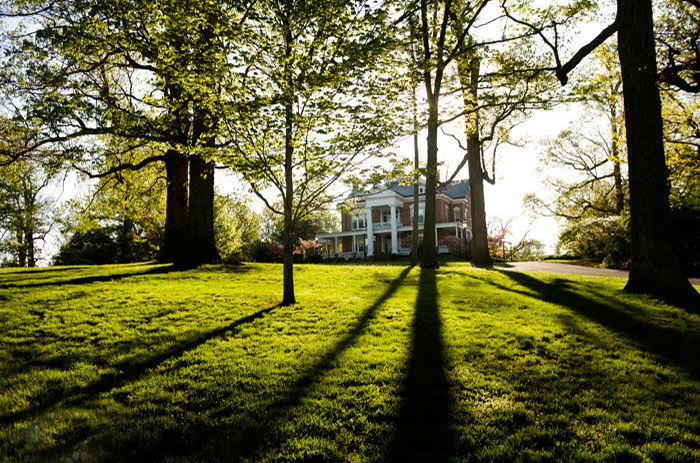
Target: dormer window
[(421, 190)]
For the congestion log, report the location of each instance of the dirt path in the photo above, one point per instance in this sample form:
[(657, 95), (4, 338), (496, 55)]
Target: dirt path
[(559, 267)]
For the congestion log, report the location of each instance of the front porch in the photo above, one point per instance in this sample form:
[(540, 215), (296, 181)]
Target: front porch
[(357, 244)]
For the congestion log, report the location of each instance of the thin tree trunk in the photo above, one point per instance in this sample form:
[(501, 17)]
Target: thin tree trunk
[(416, 180), (175, 240), (480, 245), (655, 268), (615, 153), (288, 256)]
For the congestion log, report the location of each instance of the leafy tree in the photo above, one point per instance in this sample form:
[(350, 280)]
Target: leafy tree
[(237, 227), (655, 267), (319, 221), (142, 72), (498, 90), (312, 107), (446, 33), (25, 206), (119, 220), (25, 216), (605, 239)]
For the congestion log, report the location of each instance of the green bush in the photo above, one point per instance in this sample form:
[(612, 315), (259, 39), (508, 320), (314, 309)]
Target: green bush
[(605, 239)]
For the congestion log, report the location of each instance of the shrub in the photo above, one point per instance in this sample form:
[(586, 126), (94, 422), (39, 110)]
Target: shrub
[(605, 239), (454, 244)]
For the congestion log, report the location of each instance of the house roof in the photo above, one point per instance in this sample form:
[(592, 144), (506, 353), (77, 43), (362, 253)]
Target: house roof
[(456, 189)]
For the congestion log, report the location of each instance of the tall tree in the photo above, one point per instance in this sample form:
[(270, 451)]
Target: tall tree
[(24, 210), (25, 206), (655, 266), (136, 71), (313, 107)]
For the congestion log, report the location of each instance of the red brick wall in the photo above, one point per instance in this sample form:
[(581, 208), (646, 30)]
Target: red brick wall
[(347, 243), (406, 213)]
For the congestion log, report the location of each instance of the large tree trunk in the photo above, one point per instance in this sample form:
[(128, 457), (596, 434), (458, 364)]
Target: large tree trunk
[(655, 268), (469, 80), (200, 224), (480, 243), (29, 243), (429, 257), (175, 240)]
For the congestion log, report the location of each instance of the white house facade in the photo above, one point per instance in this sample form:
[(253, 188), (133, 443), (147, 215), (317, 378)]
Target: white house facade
[(380, 222)]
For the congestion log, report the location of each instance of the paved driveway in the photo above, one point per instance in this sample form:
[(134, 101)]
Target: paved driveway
[(557, 267)]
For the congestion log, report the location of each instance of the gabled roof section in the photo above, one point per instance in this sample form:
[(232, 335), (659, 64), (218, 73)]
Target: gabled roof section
[(456, 189)]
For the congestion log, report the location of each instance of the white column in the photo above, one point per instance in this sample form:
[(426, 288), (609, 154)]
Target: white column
[(354, 246), (394, 234), (370, 234)]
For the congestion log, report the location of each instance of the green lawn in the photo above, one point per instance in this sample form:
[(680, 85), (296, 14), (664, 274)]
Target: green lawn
[(143, 363)]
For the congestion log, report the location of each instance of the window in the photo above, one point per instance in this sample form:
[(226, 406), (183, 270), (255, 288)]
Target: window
[(385, 216), (359, 220), (458, 214), (421, 213), (421, 190), (447, 213)]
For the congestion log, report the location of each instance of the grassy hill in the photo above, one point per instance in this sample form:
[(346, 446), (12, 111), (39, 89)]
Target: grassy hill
[(144, 363)]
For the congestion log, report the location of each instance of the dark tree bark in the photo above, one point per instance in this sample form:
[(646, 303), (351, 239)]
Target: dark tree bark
[(655, 267), (416, 180), (429, 256), (175, 240), (469, 79), (200, 223), (288, 297), (480, 244), (29, 242)]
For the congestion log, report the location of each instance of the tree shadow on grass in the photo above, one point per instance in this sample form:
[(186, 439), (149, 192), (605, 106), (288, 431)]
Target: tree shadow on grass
[(423, 429), (94, 279), (224, 431), (678, 347), (256, 433), (125, 372), (159, 270)]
